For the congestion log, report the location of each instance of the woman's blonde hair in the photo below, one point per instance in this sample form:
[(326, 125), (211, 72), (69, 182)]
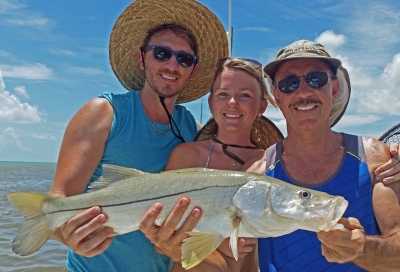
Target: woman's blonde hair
[(248, 66)]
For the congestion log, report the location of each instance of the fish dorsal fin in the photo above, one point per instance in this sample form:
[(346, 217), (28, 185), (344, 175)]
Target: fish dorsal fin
[(198, 246), (234, 238), (113, 173)]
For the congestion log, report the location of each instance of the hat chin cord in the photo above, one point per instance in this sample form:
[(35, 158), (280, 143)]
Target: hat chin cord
[(171, 121)]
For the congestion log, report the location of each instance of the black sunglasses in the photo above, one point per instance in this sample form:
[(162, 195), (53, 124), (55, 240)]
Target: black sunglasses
[(253, 63), (163, 54), (313, 80)]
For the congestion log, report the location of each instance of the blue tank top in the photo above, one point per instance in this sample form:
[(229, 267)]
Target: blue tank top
[(132, 142), (301, 250)]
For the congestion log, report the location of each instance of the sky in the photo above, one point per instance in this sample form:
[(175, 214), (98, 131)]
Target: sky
[(54, 58)]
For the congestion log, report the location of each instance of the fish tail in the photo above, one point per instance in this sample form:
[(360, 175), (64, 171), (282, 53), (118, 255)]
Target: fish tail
[(34, 231)]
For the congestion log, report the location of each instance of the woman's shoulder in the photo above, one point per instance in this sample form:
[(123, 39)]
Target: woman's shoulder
[(190, 154), (193, 147)]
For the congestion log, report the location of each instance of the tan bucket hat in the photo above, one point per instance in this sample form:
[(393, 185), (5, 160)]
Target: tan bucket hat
[(304, 49), (263, 134), (141, 16)]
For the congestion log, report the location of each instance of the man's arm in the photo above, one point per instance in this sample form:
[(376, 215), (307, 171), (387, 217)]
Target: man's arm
[(390, 171), (373, 253), (81, 151)]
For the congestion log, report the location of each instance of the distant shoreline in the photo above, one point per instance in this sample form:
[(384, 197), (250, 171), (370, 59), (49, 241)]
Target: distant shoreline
[(27, 162)]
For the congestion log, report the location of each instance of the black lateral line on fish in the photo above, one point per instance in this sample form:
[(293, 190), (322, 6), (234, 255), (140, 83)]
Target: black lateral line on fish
[(147, 199)]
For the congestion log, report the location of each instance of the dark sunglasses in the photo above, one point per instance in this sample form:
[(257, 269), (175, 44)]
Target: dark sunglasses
[(313, 80), (250, 62), (163, 54)]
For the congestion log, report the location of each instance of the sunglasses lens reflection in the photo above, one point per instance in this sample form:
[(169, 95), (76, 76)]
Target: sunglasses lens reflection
[(161, 53), (313, 80), (316, 79), (164, 54)]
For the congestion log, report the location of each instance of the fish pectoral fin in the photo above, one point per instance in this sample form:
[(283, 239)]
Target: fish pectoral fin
[(198, 246), (111, 174), (234, 238)]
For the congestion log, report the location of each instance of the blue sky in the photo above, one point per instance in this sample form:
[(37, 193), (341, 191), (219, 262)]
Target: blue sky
[(54, 58)]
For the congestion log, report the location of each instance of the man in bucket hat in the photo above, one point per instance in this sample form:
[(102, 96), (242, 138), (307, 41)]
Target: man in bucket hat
[(163, 52), (312, 90)]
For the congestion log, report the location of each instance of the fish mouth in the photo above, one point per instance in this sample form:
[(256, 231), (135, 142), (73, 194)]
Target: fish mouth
[(328, 218)]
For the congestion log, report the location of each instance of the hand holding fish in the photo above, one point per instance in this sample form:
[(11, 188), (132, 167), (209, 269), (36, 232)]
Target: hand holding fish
[(390, 171), (167, 239), (343, 246), (245, 246), (85, 234)]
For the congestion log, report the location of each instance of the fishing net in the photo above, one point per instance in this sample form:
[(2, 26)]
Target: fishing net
[(391, 136)]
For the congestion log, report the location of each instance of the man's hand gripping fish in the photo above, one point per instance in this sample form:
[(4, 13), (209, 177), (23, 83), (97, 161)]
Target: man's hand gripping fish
[(263, 206)]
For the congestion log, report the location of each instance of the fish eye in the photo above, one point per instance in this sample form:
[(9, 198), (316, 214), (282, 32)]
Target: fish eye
[(305, 194)]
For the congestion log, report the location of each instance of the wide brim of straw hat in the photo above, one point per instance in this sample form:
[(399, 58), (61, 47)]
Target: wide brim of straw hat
[(342, 100), (264, 132), (139, 17)]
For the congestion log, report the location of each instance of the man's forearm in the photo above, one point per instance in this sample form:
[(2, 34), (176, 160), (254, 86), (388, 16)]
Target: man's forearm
[(380, 253)]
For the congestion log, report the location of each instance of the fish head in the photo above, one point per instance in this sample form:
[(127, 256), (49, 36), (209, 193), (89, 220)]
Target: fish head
[(270, 209)]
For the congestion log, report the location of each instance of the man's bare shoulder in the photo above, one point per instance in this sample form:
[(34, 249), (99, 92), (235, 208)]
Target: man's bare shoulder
[(376, 152)]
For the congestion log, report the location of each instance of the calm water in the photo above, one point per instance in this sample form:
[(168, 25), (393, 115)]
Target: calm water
[(28, 177)]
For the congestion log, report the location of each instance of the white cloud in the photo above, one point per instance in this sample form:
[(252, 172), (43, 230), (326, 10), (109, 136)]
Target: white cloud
[(4, 53), (20, 90), (13, 110), (83, 70), (11, 139), (17, 15), (6, 6), (44, 137), (391, 73), (30, 71), (62, 52), (330, 40), (31, 21), (375, 93), (384, 96), (263, 29), (371, 32), (355, 120)]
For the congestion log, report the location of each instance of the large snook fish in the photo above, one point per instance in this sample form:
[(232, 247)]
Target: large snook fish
[(234, 204)]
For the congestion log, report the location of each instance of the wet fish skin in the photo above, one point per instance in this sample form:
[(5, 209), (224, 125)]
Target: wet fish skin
[(266, 207)]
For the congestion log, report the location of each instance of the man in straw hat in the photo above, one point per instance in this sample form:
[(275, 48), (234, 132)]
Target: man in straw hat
[(312, 90), (164, 52)]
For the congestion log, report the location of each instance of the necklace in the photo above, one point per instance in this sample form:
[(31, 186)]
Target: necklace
[(160, 133), (154, 127), (230, 154)]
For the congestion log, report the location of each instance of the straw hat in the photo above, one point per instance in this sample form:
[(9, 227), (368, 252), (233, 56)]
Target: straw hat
[(263, 134), (307, 49), (141, 16)]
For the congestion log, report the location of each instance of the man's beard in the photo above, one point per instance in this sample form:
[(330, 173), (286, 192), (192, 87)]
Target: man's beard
[(166, 91)]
